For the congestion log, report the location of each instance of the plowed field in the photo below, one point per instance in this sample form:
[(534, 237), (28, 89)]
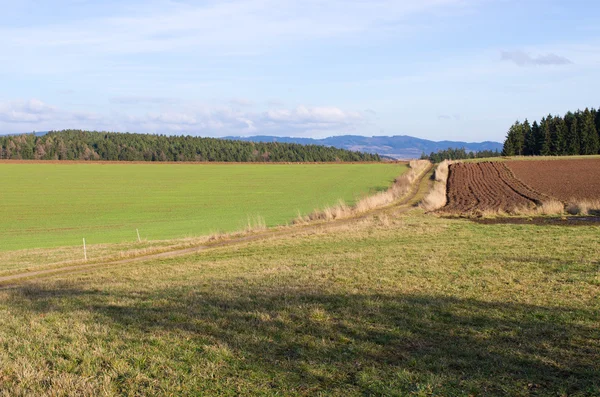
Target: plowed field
[(566, 180), (487, 186)]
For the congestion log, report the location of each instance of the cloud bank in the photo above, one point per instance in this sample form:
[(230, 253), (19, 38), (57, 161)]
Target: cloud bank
[(35, 115)]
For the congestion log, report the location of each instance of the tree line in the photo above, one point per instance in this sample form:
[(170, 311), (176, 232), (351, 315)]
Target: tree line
[(574, 134), (112, 146), (458, 154)]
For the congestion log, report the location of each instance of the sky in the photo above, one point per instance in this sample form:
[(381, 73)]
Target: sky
[(434, 69)]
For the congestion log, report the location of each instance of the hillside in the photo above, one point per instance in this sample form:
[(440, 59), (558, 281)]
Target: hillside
[(93, 145), (398, 146)]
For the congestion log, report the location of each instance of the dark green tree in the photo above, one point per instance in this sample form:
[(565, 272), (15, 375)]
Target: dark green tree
[(572, 146)]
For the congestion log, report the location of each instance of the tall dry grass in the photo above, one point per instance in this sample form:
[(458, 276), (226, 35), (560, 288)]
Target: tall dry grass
[(583, 206), (399, 189), (550, 207), (255, 224), (436, 198)]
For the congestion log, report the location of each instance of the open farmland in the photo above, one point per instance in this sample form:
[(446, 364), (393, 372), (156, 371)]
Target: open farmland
[(392, 305), (58, 204), (565, 179), (487, 186)]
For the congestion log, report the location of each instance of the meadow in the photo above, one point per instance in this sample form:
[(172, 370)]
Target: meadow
[(395, 304), (57, 204)]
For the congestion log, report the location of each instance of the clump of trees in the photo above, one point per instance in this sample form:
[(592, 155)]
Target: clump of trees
[(574, 134), (458, 154), (112, 146)]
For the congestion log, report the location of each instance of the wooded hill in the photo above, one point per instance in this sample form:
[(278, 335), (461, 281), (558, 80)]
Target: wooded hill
[(458, 154), (574, 134), (112, 146)]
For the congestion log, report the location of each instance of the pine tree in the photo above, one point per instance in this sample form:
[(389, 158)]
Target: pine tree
[(513, 138), (528, 139), (572, 147), (590, 133), (559, 132), (538, 138), (546, 136), (597, 120)]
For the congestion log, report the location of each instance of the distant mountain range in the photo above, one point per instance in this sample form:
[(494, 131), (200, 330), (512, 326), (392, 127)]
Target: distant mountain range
[(397, 146)]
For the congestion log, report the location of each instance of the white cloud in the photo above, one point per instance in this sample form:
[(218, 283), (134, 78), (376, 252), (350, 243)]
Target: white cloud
[(217, 28), (25, 111), (22, 116), (524, 59)]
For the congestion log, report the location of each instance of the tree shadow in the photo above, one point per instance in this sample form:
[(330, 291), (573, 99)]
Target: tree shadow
[(376, 344)]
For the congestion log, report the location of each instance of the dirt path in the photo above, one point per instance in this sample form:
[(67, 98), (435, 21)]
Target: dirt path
[(418, 190)]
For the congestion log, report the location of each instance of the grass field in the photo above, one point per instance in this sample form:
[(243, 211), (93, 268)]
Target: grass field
[(52, 205), (391, 305)]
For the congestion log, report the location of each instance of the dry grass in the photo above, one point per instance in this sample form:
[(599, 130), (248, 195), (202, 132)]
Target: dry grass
[(436, 198), (400, 188), (256, 223), (551, 207), (583, 207), (369, 308)]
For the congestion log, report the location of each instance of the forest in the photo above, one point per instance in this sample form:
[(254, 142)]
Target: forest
[(458, 154), (574, 134), (113, 146)]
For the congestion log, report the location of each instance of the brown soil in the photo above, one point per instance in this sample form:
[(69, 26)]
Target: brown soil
[(487, 186), (566, 180)]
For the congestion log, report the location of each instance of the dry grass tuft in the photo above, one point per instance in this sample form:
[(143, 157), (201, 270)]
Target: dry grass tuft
[(397, 191), (256, 224), (436, 198), (551, 207), (583, 207)]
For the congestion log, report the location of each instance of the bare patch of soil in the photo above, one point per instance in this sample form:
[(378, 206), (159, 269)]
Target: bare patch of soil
[(488, 186), (565, 180)]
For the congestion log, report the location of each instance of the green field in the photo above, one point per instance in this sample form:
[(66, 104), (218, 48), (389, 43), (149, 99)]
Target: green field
[(396, 305), (51, 205)]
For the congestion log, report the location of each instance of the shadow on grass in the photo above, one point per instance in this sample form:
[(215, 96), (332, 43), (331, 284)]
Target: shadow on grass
[(308, 341)]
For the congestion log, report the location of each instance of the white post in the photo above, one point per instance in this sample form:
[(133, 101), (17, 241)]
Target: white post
[(138, 233), (84, 250)]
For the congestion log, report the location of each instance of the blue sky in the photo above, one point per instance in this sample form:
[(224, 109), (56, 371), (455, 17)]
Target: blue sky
[(436, 69)]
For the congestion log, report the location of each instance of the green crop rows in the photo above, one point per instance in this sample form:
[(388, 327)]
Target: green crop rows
[(50, 205)]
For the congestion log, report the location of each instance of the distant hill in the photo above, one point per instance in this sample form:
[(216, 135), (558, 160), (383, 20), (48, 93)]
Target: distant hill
[(36, 133), (398, 146)]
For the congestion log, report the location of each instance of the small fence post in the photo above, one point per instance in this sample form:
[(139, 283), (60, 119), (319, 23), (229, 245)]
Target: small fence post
[(84, 250), (138, 234)]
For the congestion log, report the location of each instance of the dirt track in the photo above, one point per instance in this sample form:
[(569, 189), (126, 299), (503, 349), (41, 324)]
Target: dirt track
[(418, 190), (487, 186), (563, 179)]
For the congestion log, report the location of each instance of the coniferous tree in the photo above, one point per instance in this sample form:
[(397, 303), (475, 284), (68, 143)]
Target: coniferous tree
[(597, 119), (572, 146), (589, 133), (546, 136), (528, 139), (538, 138), (509, 144), (559, 132)]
